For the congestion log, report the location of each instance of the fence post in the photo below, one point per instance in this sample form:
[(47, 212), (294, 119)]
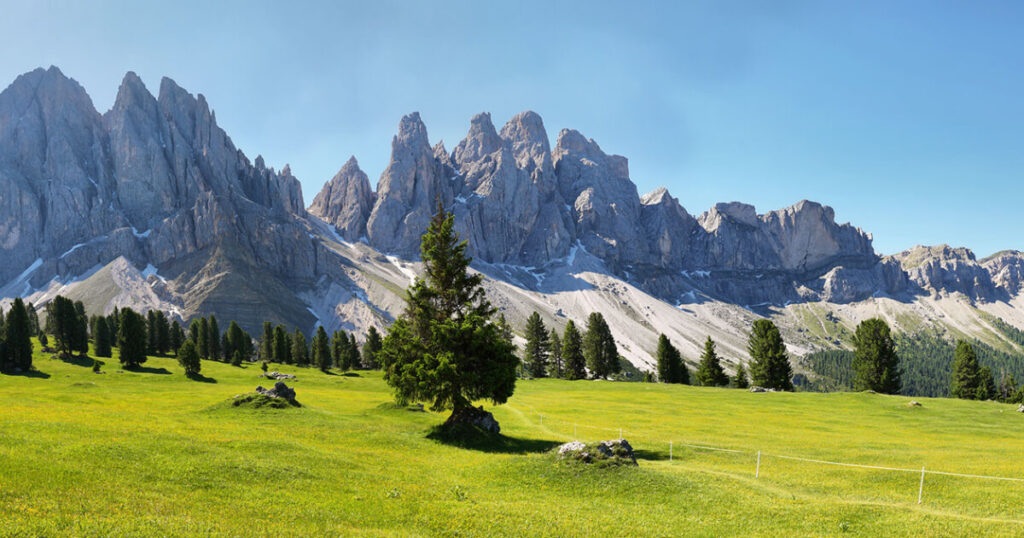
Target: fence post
[(670, 451), (920, 489), (757, 471)]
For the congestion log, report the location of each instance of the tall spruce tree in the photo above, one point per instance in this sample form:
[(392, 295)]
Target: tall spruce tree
[(177, 337), (339, 349), (203, 340), (556, 366), (599, 348), (710, 372), (163, 333), (33, 319), (81, 329), (986, 384), (445, 348), (875, 363), (371, 348), (669, 361), (300, 350), (770, 366), (282, 345), (152, 335), (572, 351), (352, 352), (62, 323), (103, 337), (17, 353), (321, 349), (267, 342), (131, 338), (538, 346), (966, 372), (214, 339)]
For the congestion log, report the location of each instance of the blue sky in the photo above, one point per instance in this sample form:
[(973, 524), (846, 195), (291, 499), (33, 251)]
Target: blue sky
[(906, 117)]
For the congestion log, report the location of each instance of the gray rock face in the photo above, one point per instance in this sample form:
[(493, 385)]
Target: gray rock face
[(1007, 270), (346, 201), (948, 270)]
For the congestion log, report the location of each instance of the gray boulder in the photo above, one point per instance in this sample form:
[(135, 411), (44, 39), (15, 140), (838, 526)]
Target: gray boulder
[(612, 452), (280, 390)]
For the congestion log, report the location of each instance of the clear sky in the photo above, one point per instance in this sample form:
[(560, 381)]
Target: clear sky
[(905, 116)]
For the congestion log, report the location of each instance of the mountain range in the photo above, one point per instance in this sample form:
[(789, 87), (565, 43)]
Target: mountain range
[(151, 205)]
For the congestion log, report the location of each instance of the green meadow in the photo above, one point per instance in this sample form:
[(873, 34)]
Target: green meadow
[(152, 452)]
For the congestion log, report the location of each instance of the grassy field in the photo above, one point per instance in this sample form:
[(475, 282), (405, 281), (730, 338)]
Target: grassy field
[(154, 453)]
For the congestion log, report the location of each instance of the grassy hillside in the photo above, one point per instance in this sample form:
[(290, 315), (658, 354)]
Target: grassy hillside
[(152, 452)]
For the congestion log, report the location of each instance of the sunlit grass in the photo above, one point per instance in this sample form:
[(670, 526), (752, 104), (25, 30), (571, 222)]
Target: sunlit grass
[(151, 452)]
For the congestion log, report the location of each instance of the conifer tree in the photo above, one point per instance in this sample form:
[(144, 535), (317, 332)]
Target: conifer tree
[(17, 353), (966, 372), (300, 350), (131, 338), (740, 379), (572, 351), (321, 350), (203, 340), (163, 333), (770, 366), (875, 363), (352, 352), (282, 346), (177, 337), (33, 319), (188, 358), (986, 384), (152, 339), (1007, 388), (102, 337), (339, 349), (445, 348), (538, 346), (599, 348), (371, 348), (214, 339), (556, 366), (267, 343), (710, 372), (669, 361), (81, 329), (62, 322)]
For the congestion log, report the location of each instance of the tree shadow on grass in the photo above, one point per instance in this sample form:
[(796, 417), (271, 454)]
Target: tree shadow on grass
[(350, 374), (470, 438), (201, 378), (31, 373), (650, 455), (148, 370), (77, 360)]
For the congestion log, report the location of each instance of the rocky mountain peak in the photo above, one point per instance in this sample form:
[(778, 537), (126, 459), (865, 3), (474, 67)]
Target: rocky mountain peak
[(481, 140), (412, 134), (346, 201)]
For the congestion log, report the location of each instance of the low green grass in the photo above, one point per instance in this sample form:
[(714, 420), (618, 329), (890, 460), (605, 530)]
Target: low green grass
[(154, 453)]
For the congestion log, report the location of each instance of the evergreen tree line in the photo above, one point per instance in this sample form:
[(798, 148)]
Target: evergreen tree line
[(339, 350), (929, 366), (17, 327), (573, 354)]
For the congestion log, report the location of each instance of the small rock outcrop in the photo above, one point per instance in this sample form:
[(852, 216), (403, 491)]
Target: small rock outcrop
[(1021, 408), (612, 452), (913, 403), (277, 375), (472, 417), (280, 390)]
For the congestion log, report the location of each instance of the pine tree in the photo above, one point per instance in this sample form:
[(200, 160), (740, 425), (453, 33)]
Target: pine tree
[(62, 322), (321, 349), (267, 343), (538, 346), (556, 366), (188, 358), (131, 338), (669, 361), (203, 340), (163, 333), (986, 384), (599, 348), (1007, 388), (177, 337), (300, 351), (875, 362), (740, 379), (352, 352), (371, 348), (572, 350), (282, 346), (237, 342), (81, 328), (710, 372), (966, 372), (33, 319), (339, 349), (445, 348), (103, 337), (770, 366), (214, 342), (17, 339), (152, 333)]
